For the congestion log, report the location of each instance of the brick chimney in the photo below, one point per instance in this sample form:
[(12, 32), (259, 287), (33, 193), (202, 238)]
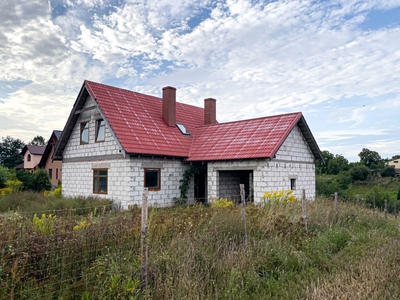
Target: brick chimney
[(169, 105), (210, 112)]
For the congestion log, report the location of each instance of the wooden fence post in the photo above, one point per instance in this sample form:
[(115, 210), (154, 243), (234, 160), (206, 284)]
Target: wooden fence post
[(336, 204), (144, 246), (373, 204), (357, 202), (386, 210), (243, 199), (304, 207)]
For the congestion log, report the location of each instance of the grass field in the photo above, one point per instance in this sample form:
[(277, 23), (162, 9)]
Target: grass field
[(200, 252)]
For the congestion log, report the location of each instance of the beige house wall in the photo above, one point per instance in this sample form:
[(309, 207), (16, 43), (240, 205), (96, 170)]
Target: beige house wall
[(55, 167), (35, 159)]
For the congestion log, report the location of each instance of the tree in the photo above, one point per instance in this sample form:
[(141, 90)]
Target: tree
[(10, 152), (337, 164), (395, 157), (41, 180), (359, 173), (38, 140), (370, 158), (322, 168)]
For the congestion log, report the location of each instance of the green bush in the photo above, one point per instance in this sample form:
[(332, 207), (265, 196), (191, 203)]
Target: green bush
[(326, 186), (388, 172), (3, 176), (360, 173), (27, 179), (41, 181), (344, 179)]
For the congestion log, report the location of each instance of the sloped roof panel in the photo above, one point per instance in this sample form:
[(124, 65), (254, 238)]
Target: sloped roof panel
[(136, 120), (255, 138)]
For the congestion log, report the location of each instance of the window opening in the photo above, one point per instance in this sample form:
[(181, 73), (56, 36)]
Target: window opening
[(29, 157), (152, 179), (51, 173), (183, 129), (292, 184), (84, 133), (56, 173), (100, 130), (100, 178)]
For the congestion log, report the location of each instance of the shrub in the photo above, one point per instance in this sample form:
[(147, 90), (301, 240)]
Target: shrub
[(344, 179), (326, 186), (388, 172), (15, 185), (41, 181), (5, 191), (221, 203), (360, 173), (279, 197), (398, 194), (3, 176), (27, 179)]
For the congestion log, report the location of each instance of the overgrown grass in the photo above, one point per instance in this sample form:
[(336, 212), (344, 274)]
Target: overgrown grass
[(31, 202), (200, 253)]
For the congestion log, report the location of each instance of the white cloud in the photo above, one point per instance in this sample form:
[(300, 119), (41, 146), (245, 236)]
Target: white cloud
[(256, 58)]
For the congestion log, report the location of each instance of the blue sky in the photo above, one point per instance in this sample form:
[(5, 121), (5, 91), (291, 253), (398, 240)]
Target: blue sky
[(336, 61)]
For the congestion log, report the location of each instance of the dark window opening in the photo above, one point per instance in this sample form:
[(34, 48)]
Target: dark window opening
[(84, 133), (152, 179), (29, 157), (51, 173), (56, 173), (292, 184), (100, 178), (100, 130)]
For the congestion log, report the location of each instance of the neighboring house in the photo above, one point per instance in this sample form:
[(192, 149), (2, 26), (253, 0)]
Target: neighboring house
[(53, 167), (32, 155), (396, 165), (116, 142)]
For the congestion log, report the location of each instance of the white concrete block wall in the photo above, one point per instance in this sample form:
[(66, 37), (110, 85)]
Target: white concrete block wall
[(229, 184), (125, 181), (74, 147), (295, 148), (294, 160), (78, 179)]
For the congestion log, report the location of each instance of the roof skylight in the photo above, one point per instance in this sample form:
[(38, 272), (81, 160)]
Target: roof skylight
[(183, 129)]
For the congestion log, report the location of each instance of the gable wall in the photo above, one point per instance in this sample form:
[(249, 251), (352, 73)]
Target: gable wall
[(75, 149), (35, 159), (294, 160)]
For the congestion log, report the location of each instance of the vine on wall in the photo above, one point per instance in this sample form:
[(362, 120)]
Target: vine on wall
[(185, 182)]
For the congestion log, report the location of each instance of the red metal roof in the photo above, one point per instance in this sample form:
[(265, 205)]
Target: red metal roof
[(136, 120), (254, 138)]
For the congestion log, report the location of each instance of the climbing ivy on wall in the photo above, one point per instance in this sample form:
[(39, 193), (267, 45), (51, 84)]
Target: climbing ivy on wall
[(185, 182)]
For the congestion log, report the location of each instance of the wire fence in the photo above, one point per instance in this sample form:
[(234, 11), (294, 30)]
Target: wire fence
[(63, 254), (69, 253)]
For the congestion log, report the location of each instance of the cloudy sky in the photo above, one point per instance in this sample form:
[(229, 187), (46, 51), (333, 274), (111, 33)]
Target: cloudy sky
[(337, 61)]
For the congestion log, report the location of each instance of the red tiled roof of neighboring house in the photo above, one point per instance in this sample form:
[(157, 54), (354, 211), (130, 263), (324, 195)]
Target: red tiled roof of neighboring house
[(254, 138), (33, 149), (137, 121)]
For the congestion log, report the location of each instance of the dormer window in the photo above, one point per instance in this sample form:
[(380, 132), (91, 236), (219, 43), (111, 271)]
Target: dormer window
[(183, 129)]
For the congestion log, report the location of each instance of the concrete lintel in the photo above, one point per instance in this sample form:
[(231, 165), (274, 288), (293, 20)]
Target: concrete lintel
[(93, 158)]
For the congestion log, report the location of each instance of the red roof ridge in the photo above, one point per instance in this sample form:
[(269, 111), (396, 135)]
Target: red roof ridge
[(252, 119), (117, 88)]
